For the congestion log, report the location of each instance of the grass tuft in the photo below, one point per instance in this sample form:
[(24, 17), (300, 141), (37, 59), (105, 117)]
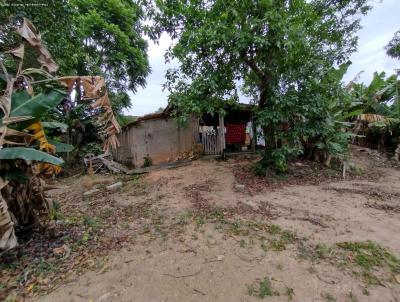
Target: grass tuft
[(262, 289), (368, 255)]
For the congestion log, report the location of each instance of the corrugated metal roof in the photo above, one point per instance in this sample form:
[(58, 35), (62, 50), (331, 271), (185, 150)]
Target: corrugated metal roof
[(152, 116), (167, 113)]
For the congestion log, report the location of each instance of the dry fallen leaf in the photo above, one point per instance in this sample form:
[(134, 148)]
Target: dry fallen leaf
[(58, 251), (94, 88), (30, 34), (18, 52), (29, 288)]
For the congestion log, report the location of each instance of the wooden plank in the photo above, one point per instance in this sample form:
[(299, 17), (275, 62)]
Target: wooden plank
[(171, 165), (254, 132), (221, 134)]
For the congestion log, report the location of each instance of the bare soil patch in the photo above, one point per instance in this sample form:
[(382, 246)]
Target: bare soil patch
[(193, 234)]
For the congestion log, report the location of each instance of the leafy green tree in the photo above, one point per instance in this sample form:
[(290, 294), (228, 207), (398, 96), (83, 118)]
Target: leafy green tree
[(380, 119), (272, 51), (393, 48), (87, 37)]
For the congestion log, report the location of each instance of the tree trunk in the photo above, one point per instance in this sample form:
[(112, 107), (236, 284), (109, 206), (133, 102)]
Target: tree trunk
[(269, 129)]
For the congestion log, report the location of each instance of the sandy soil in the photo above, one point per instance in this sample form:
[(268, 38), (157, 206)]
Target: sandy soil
[(214, 259)]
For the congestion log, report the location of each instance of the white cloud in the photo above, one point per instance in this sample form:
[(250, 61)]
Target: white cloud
[(378, 28), (150, 98)]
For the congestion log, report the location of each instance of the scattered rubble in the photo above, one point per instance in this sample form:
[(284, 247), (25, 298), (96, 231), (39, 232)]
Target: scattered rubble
[(114, 186), (91, 192), (239, 187)]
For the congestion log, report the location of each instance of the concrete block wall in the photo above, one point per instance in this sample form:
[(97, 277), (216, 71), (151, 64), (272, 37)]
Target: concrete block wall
[(161, 139)]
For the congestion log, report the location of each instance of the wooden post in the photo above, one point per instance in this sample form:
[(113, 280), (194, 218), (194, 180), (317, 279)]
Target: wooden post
[(221, 133), (254, 138)]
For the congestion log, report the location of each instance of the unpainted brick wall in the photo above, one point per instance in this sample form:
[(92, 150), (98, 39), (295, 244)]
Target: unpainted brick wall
[(161, 139)]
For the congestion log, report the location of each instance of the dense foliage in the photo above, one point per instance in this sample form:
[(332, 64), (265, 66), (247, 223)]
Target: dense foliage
[(87, 37), (393, 48), (28, 96), (279, 53), (379, 125)]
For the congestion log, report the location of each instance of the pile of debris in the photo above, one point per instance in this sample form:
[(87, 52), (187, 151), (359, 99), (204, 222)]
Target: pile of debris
[(103, 162)]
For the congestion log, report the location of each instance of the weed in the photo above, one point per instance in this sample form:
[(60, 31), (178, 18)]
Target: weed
[(312, 270), (147, 161), (242, 243), (352, 297), (162, 231), (289, 293), (55, 212), (183, 219), (322, 251), (199, 220), (288, 237), (277, 245), (370, 279), (89, 221), (319, 251), (274, 229), (251, 241), (266, 289), (135, 178), (234, 228), (85, 238), (251, 290), (356, 169), (136, 185), (365, 291), (45, 267), (262, 289), (217, 214), (368, 255), (328, 297)]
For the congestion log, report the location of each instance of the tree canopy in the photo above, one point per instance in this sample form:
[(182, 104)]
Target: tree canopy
[(272, 51), (393, 48), (88, 37)]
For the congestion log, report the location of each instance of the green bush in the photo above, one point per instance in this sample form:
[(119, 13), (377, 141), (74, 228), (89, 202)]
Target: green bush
[(147, 162)]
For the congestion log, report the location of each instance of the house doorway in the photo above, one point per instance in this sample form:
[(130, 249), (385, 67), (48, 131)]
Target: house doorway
[(229, 133)]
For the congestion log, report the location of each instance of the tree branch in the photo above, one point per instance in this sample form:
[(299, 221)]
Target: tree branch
[(253, 66)]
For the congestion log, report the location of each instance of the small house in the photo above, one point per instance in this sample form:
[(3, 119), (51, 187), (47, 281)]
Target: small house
[(158, 138)]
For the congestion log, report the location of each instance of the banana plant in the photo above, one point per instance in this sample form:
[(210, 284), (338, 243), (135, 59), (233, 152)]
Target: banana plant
[(24, 148), (381, 107), (26, 153)]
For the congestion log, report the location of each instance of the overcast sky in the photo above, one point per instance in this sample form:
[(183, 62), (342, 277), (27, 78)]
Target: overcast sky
[(378, 28)]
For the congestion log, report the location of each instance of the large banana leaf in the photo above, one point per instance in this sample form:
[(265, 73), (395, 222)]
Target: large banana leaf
[(14, 174), (377, 82), (61, 147), (25, 105), (7, 233), (8, 240), (29, 154), (54, 125)]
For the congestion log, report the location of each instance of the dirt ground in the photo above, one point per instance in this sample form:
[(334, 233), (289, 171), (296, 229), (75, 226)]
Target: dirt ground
[(206, 232)]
